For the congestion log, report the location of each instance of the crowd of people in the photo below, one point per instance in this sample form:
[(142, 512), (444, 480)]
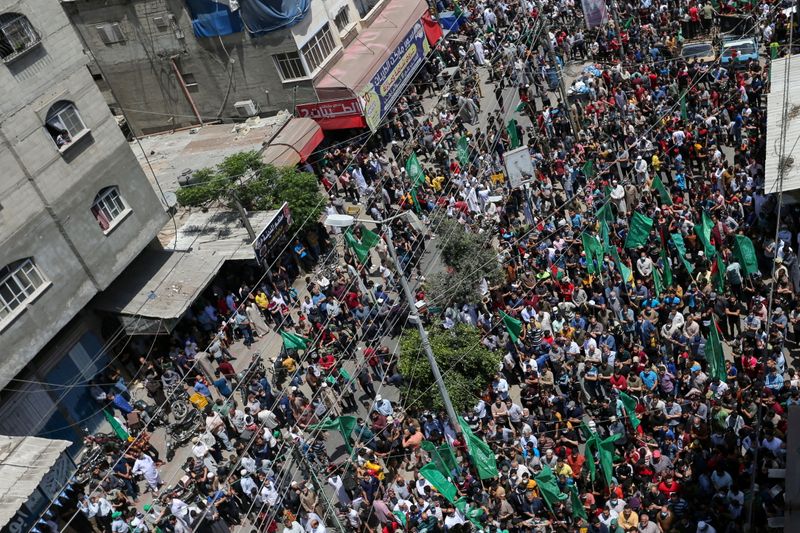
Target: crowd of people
[(646, 372)]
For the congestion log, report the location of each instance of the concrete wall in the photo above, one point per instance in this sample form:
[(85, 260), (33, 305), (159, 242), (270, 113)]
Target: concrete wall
[(140, 77), (47, 194)]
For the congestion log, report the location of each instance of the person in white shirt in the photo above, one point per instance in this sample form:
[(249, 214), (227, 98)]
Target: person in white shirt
[(144, 465)]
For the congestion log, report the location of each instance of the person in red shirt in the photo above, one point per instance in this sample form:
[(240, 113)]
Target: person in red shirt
[(619, 381)]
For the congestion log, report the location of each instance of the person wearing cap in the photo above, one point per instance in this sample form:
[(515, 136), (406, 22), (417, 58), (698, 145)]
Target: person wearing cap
[(118, 524)]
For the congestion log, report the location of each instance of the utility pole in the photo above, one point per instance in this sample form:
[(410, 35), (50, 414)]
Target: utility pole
[(243, 215), (423, 335), (551, 53)]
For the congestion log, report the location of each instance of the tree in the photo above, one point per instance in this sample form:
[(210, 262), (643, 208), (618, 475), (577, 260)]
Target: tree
[(258, 186), (470, 259), (466, 365)]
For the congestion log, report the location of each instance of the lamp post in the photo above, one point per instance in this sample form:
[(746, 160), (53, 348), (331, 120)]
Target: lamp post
[(345, 221)]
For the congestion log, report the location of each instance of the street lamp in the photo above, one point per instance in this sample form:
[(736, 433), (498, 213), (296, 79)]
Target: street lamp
[(345, 221)]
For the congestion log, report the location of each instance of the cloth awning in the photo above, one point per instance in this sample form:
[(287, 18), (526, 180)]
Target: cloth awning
[(367, 54), (24, 462), (294, 143)]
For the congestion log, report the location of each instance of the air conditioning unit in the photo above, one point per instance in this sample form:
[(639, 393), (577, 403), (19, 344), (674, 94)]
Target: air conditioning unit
[(246, 108)]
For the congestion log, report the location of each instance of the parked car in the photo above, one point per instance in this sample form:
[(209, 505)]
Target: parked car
[(700, 51), (737, 52)]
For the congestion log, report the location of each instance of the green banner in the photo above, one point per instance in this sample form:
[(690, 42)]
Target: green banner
[(439, 482), (594, 253), (745, 254), (662, 191), (511, 128), (578, 510), (677, 239), (482, 455), (629, 404), (462, 150), (343, 424), (414, 170), (119, 431), (667, 268), (513, 326), (638, 230), (714, 354), (359, 249), (547, 484), (293, 341), (370, 239), (703, 231)]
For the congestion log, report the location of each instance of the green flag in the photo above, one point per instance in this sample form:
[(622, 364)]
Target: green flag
[(591, 447), (662, 191), (719, 275), (684, 109), (512, 133), (448, 457), (703, 231), (359, 249), (667, 268), (414, 169), (623, 269), (119, 431), (343, 424), (548, 487), (605, 213), (513, 326), (578, 510), (588, 169), (714, 354), (594, 253), (293, 341), (677, 239), (627, 23), (657, 283), (439, 482), (369, 239), (417, 205), (481, 453), (745, 254), (401, 517), (436, 459), (639, 230), (472, 513), (629, 404), (605, 452), (462, 150), (604, 236), (520, 107)]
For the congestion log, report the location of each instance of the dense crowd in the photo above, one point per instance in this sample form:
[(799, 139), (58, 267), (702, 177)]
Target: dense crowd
[(624, 257)]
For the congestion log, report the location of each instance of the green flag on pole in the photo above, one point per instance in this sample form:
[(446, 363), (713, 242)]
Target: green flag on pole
[(719, 275), (513, 326), (436, 459), (370, 239), (605, 452), (520, 107), (548, 487), (657, 283), (703, 231), (343, 424), (511, 128), (578, 510), (293, 341), (594, 253), (359, 249), (624, 271), (629, 404), (482, 456), (439, 482), (462, 150), (714, 353), (684, 108), (677, 239), (639, 230), (119, 431), (414, 169), (448, 457), (745, 254), (588, 169), (667, 268), (662, 191), (605, 213)]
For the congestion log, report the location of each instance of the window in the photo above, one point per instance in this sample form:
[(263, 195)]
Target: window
[(110, 33), (342, 19), (18, 283), (319, 48), (290, 66), (108, 207), (64, 124), (16, 35)]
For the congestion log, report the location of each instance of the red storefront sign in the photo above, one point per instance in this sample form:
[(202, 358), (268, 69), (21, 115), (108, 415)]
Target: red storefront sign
[(335, 115)]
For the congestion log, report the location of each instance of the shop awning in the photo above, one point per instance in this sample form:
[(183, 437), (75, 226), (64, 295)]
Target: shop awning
[(294, 143), (371, 50), (781, 160), (24, 462)]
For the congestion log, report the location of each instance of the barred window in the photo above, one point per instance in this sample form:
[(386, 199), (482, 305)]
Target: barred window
[(107, 207), (342, 19), (18, 283), (16, 35), (290, 65), (319, 48), (64, 123)]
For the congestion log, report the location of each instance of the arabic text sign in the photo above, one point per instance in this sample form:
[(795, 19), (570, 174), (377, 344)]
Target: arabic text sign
[(274, 229), (326, 110), (383, 89)]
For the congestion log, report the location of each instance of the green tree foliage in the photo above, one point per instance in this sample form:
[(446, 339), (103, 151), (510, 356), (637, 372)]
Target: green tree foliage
[(466, 366), (470, 259), (258, 186)]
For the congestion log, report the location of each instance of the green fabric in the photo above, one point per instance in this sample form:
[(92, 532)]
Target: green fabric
[(547, 484), (462, 150), (414, 169), (703, 231), (684, 109), (714, 354), (630, 407), (658, 285), (588, 169), (624, 271), (605, 213), (417, 205), (436, 459), (594, 253), (667, 269), (482, 456), (473, 514), (513, 326), (626, 25), (662, 191), (577, 505), (639, 230), (606, 456), (119, 431), (439, 482), (719, 276), (293, 341), (520, 107), (512, 134), (604, 238), (677, 239), (401, 517), (369, 238), (361, 250), (343, 424), (745, 254), (448, 457), (591, 443)]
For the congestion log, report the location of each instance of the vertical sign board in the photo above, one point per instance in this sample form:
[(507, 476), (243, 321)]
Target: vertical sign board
[(274, 229), (519, 166), (379, 95)]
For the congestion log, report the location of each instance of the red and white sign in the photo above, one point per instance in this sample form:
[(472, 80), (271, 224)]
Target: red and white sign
[(335, 115)]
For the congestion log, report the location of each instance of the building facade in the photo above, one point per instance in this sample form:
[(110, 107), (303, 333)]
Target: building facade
[(175, 63), (75, 210)]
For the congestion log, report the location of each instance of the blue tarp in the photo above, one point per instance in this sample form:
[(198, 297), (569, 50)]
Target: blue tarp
[(450, 21), (264, 16), (210, 19)]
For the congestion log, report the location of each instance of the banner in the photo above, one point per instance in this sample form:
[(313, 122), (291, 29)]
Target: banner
[(513, 326), (594, 253), (658, 185), (547, 484), (292, 341), (414, 170), (639, 230), (714, 354), (745, 254), (482, 455), (595, 12), (439, 482), (379, 95), (462, 150), (272, 231), (677, 239), (629, 404)]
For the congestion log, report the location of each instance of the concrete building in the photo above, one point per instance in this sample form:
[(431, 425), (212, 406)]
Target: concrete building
[(175, 63), (76, 210)]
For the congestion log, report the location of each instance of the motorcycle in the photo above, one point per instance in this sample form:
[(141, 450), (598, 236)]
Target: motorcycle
[(180, 434)]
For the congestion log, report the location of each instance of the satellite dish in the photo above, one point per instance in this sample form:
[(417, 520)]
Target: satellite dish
[(171, 199)]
